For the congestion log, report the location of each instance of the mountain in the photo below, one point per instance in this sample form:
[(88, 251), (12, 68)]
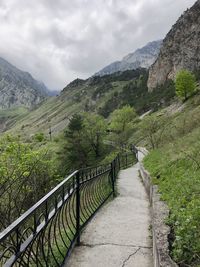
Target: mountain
[(19, 88), (97, 94), (92, 95), (141, 58), (180, 49)]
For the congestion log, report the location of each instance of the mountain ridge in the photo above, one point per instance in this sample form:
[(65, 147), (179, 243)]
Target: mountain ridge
[(140, 58)]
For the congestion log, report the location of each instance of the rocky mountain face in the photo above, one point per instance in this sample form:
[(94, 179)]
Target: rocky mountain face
[(141, 58), (18, 88), (180, 49)]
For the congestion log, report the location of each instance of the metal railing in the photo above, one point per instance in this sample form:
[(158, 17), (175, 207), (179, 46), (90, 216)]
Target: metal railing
[(47, 232)]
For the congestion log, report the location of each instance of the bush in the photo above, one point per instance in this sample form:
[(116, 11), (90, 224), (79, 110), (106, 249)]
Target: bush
[(39, 137)]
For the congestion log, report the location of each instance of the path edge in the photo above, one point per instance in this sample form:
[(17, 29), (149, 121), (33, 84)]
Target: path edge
[(159, 213)]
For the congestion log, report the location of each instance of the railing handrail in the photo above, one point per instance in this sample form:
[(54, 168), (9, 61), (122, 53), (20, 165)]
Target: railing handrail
[(26, 214), (69, 192), (93, 167)]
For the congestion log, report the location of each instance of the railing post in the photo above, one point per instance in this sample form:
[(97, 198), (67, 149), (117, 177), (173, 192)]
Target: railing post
[(113, 177), (78, 207), (119, 161), (126, 160), (135, 151)]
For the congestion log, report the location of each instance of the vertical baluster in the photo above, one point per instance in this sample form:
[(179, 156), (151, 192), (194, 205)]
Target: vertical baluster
[(17, 240), (113, 178), (46, 210), (63, 194), (35, 221), (73, 183), (78, 207), (118, 157)]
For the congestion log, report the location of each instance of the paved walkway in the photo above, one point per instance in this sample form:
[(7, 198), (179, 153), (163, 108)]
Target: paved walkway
[(118, 235)]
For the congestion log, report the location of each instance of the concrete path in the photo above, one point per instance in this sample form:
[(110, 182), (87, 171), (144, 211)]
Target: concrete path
[(118, 235)]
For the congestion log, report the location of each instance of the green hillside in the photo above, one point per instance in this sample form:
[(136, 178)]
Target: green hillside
[(9, 117), (101, 95), (172, 135)]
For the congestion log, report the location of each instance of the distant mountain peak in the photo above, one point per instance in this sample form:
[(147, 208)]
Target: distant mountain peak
[(19, 88), (142, 58)]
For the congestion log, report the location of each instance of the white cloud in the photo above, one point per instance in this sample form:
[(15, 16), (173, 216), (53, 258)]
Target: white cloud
[(57, 41)]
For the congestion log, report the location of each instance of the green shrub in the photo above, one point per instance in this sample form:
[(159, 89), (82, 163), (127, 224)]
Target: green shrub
[(39, 137)]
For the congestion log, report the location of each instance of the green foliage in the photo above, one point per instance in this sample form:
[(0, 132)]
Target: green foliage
[(75, 125), (185, 84), (83, 145), (136, 94), (75, 151), (118, 76), (101, 90), (152, 128), (110, 157), (39, 137), (94, 132), (25, 176), (111, 104), (121, 125)]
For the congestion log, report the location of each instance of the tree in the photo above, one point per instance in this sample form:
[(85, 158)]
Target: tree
[(26, 175), (153, 129), (95, 131), (75, 125), (185, 84), (76, 149), (83, 141), (122, 124)]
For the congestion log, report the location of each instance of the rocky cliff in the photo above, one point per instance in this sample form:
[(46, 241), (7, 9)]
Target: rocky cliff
[(142, 58), (18, 88), (180, 49)]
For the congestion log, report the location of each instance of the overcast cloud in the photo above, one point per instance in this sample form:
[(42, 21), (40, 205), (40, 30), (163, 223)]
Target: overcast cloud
[(60, 40)]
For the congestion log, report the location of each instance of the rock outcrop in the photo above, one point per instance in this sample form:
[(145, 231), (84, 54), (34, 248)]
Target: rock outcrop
[(141, 58), (19, 88), (180, 49)]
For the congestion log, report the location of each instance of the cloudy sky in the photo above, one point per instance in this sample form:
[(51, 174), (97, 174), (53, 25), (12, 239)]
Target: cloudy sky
[(60, 40)]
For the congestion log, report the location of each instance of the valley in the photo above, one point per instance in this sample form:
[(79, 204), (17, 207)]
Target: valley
[(149, 99)]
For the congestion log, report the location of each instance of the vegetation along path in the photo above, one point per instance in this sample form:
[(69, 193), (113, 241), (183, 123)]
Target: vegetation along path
[(119, 234)]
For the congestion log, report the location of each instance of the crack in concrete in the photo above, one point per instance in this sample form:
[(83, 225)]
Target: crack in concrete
[(113, 244), (131, 255)]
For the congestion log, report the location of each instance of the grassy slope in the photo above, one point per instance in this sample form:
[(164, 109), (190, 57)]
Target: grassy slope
[(175, 167), (56, 111), (10, 116), (99, 94)]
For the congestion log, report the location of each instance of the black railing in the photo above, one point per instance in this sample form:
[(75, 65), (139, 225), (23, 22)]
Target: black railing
[(47, 232)]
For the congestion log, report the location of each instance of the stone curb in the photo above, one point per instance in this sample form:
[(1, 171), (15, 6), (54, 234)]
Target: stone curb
[(159, 212)]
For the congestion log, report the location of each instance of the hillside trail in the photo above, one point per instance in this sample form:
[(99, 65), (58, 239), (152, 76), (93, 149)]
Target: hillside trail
[(119, 233)]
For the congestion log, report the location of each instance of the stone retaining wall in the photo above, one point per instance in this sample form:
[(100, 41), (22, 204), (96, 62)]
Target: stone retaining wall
[(160, 231)]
